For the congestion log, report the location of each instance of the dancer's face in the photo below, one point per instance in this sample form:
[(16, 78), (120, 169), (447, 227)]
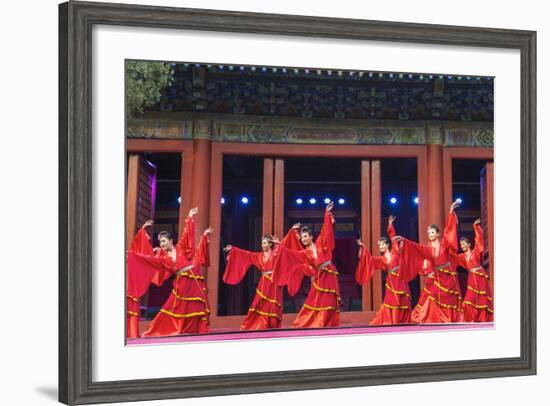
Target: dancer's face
[(433, 234), (166, 243), (306, 238), (383, 246), (465, 245), (266, 244)]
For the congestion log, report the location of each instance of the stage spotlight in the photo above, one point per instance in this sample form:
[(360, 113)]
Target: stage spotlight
[(341, 201), (244, 200), (415, 200), (393, 200), (327, 200), (179, 200), (312, 200), (299, 201), (222, 200), (458, 200)]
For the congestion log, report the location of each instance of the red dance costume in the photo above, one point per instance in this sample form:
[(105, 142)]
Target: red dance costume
[(322, 305), (142, 268), (186, 310), (442, 299), (428, 272), (266, 310), (478, 301), (396, 307)]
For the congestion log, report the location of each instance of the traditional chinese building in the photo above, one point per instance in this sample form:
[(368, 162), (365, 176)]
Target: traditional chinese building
[(259, 148)]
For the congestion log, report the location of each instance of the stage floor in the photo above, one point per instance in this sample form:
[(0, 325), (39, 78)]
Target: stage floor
[(220, 335)]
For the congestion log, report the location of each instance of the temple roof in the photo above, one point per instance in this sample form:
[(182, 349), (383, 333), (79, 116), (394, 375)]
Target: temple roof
[(325, 93)]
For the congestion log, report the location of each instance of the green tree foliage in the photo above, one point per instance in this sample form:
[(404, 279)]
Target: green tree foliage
[(144, 83)]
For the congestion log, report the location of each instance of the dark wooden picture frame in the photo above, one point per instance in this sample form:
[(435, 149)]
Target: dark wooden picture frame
[(76, 20)]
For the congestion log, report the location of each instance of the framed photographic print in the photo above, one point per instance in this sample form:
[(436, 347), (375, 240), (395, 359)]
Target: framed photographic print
[(258, 202)]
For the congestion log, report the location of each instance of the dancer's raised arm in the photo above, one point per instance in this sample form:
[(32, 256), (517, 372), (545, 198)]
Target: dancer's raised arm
[(479, 243), (238, 262), (326, 237), (202, 254), (450, 238), (186, 241), (141, 243), (392, 234)]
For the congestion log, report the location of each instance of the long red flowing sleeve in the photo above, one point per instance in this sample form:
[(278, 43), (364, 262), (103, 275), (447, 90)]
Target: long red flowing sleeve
[(450, 237), (325, 239), (186, 241), (411, 259), (202, 254), (238, 262), (140, 271), (291, 264), (391, 234), (366, 266), (391, 231), (479, 247), (295, 274), (141, 243), (141, 265)]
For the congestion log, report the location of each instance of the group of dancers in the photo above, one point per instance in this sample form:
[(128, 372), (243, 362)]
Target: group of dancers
[(286, 262)]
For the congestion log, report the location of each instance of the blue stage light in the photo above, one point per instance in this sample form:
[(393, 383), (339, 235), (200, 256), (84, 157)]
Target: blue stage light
[(327, 200), (299, 201), (222, 200), (244, 200), (458, 200), (179, 199), (341, 201), (312, 200), (393, 200), (415, 200)]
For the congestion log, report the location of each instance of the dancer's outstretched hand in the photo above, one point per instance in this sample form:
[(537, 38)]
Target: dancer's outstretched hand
[(454, 205), (391, 219), (296, 226), (208, 231), (227, 248), (147, 223), (193, 212), (360, 243), (478, 221), (397, 239), (330, 206)]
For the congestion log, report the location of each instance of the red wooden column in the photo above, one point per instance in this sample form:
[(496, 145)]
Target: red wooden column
[(267, 210), (376, 218), (131, 197), (423, 191), (366, 291), (185, 187), (200, 198), (213, 272), (435, 195), (487, 190), (279, 199), (200, 186)]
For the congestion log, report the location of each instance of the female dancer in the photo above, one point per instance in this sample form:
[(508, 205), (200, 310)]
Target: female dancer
[(478, 301), (143, 267), (186, 310), (266, 310), (322, 305), (443, 298), (396, 307)]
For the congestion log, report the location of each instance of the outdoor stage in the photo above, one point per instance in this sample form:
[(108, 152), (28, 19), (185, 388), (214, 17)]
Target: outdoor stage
[(220, 335)]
